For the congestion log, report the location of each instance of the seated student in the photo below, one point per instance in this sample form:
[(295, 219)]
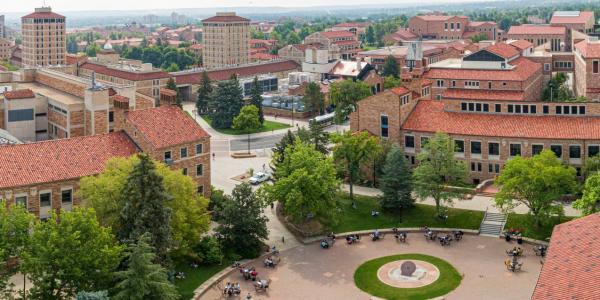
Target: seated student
[(374, 213), (376, 233)]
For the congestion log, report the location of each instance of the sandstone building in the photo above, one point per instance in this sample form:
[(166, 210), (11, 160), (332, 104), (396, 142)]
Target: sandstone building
[(44, 38), (226, 40)]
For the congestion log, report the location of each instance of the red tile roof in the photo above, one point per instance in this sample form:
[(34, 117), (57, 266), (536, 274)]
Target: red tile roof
[(220, 19), (477, 24), (521, 44), (337, 34), (588, 49), (536, 29), (243, 71), (168, 92), (403, 34), (474, 94), (196, 46), (166, 126), (430, 116), (37, 15), (133, 76), (56, 160), (19, 94), (400, 91), (504, 50), (572, 266), (583, 17), (524, 68), (264, 56), (434, 17)]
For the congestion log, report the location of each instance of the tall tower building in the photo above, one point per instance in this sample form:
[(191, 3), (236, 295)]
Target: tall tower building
[(226, 40), (44, 38), (2, 29)]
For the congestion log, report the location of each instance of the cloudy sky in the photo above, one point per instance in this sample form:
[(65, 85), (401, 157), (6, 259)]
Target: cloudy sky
[(71, 5)]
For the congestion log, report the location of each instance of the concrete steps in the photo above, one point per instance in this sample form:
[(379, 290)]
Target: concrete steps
[(492, 224)]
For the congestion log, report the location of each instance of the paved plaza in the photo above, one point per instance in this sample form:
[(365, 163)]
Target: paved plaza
[(308, 272)]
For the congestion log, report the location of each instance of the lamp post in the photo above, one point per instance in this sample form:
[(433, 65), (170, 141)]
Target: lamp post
[(293, 112), (551, 86)]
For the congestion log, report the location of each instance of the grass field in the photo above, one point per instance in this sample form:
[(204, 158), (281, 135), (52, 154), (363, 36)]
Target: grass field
[(421, 215), (528, 229), (195, 277), (267, 126), (366, 279)]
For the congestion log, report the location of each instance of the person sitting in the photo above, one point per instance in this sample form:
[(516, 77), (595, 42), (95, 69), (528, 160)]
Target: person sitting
[(331, 236), (395, 230), (268, 262), (402, 237), (324, 244), (227, 288), (374, 213), (274, 250), (238, 288), (253, 274)]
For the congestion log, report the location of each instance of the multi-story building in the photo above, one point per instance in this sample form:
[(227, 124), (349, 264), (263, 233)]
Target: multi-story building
[(295, 52), (451, 27), (587, 70), (581, 21), (6, 48), (358, 28), (44, 38), (340, 44), (44, 176), (226, 40), (555, 37), (2, 27)]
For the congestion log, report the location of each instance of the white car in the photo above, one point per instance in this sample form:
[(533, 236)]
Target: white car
[(259, 177)]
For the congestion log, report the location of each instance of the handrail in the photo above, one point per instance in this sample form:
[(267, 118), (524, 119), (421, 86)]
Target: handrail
[(484, 216)]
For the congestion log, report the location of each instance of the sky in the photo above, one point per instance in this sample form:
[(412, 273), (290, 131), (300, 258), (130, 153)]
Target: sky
[(78, 5)]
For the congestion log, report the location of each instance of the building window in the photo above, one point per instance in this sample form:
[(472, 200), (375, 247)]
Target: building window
[(409, 141), (593, 150), (546, 109), (440, 83), (536, 149), (472, 84), (45, 199), (453, 83), (546, 67), (498, 107), (17, 115), (199, 149), (510, 108), (384, 126), (184, 171), (494, 148), (558, 110), (595, 67), (574, 151), (497, 168), (111, 116), (66, 196), (475, 147), (463, 106), (557, 149), (199, 170), (459, 146), (476, 167), (168, 155), (515, 149), (200, 189), (21, 200), (183, 152)]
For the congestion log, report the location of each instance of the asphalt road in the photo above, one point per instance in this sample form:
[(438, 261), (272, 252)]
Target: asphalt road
[(264, 142)]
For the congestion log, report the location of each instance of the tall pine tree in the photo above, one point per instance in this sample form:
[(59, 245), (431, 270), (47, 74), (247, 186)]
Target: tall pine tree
[(256, 99), (145, 209), (396, 182), (204, 93), (226, 103), (314, 99), (390, 67)]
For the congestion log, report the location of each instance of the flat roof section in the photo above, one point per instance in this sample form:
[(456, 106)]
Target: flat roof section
[(51, 93)]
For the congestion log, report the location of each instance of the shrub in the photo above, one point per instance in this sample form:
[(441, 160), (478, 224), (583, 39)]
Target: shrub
[(209, 250)]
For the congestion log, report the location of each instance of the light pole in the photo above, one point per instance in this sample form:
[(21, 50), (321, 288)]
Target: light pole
[(551, 85), (292, 112)]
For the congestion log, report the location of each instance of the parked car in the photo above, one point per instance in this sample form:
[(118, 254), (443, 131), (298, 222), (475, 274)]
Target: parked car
[(259, 177)]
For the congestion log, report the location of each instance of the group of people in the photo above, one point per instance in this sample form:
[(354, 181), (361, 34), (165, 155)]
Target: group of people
[(376, 235), (400, 235), (540, 250), (232, 289), (514, 252), (430, 235), (248, 272), (271, 262), (352, 238)]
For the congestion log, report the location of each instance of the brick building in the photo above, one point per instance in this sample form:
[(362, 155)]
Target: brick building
[(341, 44), (554, 36), (581, 21), (6, 48), (587, 70), (44, 38), (358, 28), (45, 176), (451, 27), (226, 40)]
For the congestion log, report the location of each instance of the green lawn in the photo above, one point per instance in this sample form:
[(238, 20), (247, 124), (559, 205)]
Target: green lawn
[(525, 224), (366, 279), (195, 277), (267, 126), (420, 215)]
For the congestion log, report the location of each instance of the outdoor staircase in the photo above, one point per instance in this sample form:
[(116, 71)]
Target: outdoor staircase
[(492, 224)]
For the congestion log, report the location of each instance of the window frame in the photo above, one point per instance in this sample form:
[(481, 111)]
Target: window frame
[(510, 149)]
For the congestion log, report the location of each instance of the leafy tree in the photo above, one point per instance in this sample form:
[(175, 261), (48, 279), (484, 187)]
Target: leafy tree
[(100, 295), (390, 67), (306, 184), (396, 183), (225, 103), (278, 157), (352, 150), (591, 166), (15, 222), (317, 136), (209, 250), (92, 49), (242, 224), (189, 218), (437, 170), (145, 208), (152, 55), (256, 99), (345, 95), (143, 279), (479, 37), (68, 254), (204, 94), (390, 82), (247, 121), (558, 90), (314, 99), (293, 38), (589, 203), (536, 182), (172, 68)]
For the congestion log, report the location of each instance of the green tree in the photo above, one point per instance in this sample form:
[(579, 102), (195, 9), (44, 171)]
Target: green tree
[(256, 99), (293, 38), (589, 203), (100, 295), (204, 94), (591, 166), (68, 254), (226, 103), (306, 184), (538, 183), (15, 223), (345, 95), (189, 218), (172, 68), (247, 121), (145, 208), (437, 170), (390, 67), (278, 157), (318, 137), (479, 37), (353, 150), (92, 50), (370, 35), (390, 82), (396, 183), (314, 99), (242, 224), (143, 279)]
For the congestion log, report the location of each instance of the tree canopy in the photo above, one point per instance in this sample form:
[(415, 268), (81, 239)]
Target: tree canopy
[(314, 99), (247, 121), (396, 182), (390, 67), (345, 95), (204, 94), (256, 99), (589, 202), (226, 103)]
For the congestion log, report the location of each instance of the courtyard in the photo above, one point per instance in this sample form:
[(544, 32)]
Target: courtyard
[(309, 272)]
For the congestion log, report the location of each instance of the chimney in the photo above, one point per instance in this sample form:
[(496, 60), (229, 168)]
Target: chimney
[(358, 64)]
